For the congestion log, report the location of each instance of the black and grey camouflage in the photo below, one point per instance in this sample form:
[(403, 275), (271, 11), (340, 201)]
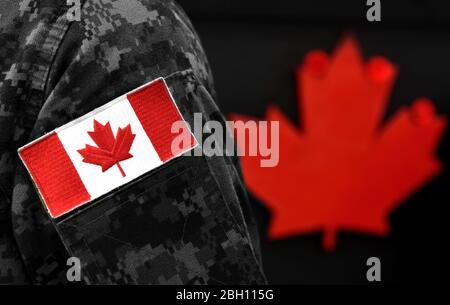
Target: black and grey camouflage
[(187, 222)]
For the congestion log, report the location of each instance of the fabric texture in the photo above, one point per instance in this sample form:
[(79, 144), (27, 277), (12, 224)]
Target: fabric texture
[(53, 71)]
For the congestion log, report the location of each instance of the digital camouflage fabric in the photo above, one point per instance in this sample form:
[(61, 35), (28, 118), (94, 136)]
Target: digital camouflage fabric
[(187, 222)]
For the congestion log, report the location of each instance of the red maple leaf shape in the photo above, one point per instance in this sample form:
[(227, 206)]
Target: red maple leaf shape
[(111, 150), (344, 170)]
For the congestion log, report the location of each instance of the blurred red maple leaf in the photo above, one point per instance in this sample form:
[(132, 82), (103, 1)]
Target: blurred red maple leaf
[(344, 170), (111, 150)]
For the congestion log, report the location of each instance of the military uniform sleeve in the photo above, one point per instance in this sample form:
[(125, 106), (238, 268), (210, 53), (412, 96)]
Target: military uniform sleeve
[(30, 32), (184, 223)]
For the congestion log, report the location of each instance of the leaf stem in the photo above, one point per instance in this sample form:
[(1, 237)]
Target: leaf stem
[(121, 169)]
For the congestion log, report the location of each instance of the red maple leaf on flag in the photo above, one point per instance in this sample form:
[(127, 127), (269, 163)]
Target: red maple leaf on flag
[(345, 169), (111, 150)]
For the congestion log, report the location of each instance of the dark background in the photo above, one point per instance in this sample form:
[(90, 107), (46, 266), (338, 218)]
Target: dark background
[(254, 47)]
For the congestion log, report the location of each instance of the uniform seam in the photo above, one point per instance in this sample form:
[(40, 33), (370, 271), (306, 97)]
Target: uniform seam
[(64, 22)]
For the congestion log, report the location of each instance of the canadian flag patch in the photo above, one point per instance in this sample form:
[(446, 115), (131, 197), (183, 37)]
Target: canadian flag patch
[(105, 149)]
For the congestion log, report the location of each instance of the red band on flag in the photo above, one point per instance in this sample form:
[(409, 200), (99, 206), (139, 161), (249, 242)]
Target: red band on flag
[(54, 174), (157, 112)]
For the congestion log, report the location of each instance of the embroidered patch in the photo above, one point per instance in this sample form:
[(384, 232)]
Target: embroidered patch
[(105, 149)]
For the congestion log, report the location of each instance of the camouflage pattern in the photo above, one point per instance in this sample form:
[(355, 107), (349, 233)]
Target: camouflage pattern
[(187, 222)]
